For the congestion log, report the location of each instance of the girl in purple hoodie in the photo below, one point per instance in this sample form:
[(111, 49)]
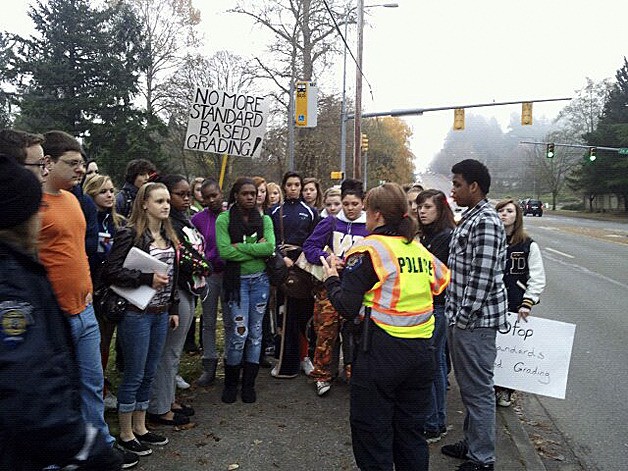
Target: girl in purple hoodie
[(332, 237)]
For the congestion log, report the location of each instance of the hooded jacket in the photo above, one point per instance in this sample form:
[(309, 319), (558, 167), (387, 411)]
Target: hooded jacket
[(336, 232)]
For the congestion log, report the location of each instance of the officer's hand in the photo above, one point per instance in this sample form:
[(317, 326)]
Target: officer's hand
[(330, 268)]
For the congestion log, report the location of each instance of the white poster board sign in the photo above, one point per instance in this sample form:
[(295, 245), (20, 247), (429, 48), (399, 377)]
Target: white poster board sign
[(534, 356), (226, 123), (137, 259)]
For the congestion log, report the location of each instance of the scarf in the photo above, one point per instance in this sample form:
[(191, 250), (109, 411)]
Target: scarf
[(239, 229)]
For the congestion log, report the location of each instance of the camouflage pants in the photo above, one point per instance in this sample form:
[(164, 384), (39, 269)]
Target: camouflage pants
[(327, 326)]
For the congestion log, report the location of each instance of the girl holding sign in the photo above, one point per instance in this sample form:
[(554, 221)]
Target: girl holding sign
[(525, 274)]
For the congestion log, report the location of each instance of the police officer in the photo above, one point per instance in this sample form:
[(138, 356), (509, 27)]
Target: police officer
[(387, 282), (40, 411)]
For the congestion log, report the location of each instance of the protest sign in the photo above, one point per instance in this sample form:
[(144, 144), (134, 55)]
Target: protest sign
[(226, 123), (534, 356)]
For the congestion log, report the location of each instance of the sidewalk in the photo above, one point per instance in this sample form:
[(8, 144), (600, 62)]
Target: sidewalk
[(290, 428)]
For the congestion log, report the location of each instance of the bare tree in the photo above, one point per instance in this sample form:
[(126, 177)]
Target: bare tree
[(581, 115), (221, 71), (169, 35)]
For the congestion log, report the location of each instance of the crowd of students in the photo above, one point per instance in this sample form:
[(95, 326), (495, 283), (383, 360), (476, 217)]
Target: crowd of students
[(216, 252)]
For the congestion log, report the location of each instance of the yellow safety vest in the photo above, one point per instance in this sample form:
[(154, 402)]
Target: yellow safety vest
[(401, 301)]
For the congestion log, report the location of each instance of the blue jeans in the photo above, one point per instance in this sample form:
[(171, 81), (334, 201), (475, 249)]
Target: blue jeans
[(437, 417), (210, 315), (247, 319), (142, 338), (86, 338)]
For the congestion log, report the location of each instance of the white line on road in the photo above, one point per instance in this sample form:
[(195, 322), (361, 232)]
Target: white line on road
[(549, 249)]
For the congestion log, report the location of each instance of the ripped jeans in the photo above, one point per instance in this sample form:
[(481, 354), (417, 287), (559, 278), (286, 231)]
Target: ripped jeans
[(247, 319)]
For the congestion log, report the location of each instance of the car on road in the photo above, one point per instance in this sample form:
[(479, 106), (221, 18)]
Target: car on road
[(532, 206)]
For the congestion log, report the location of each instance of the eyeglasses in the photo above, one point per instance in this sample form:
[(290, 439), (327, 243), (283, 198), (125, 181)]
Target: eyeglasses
[(42, 164), (74, 163), (183, 194)]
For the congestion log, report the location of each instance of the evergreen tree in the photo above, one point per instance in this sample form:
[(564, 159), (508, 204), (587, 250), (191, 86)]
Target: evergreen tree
[(609, 172), (79, 72)]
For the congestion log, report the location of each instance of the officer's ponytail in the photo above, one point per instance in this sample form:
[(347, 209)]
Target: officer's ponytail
[(390, 201)]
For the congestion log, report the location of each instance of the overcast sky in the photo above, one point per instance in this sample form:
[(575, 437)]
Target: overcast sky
[(452, 52)]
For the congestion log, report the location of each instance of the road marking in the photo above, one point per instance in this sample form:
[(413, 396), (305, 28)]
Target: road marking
[(549, 249)]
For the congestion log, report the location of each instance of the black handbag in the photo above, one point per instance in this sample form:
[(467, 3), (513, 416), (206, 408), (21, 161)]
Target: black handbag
[(298, 284), (276, 269), (109, 306)]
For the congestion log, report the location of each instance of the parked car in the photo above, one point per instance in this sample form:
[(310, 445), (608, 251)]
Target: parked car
[(533, 207)]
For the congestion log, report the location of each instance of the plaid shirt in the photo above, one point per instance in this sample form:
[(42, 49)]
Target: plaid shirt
[(476, 296)]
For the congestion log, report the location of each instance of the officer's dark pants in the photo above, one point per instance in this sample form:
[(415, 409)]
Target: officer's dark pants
[(390, 396)]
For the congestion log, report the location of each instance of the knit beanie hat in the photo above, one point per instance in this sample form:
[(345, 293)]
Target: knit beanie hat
[(20, 193)]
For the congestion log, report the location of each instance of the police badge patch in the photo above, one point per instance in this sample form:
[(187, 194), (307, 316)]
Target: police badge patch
[(354, 262), (15, 320)]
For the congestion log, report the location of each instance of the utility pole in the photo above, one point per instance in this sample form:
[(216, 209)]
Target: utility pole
[(343, 108), (290, 120), (357, 123)]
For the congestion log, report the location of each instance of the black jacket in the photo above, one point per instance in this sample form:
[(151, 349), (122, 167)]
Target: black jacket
[(438, 244), (113, 272), (40, 408)]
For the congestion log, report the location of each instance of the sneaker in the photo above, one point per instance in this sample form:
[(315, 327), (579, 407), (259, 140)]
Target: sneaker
[(111, 401), (181, 383), (504, 399), (134, 446), (322, 387), (128, 459), (307, 366), (150, 438), (432, 436), (457, 450), (473, 466)]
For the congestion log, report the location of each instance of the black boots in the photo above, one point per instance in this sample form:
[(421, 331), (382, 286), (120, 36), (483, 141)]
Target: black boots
[(232, 375), (209, 372), (248, 382)]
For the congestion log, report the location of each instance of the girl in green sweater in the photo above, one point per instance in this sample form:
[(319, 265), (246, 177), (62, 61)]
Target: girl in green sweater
[(245, 239)]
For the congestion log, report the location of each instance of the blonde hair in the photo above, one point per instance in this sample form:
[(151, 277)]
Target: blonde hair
[(331, 192), (92, 187), (139, 219), (272, 186)]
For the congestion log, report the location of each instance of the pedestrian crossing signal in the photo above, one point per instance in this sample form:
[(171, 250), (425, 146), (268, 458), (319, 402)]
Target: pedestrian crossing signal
[(337, 175)]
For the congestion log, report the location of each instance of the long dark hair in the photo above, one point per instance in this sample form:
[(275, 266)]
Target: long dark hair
[(390, 200), (445, 219)]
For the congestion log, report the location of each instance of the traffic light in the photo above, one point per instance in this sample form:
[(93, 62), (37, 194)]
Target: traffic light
[(549, 151), (592, 151), (365, 143), (459, 119), (526, 113)]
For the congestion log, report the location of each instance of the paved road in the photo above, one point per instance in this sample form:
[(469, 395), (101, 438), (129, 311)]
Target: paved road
[(587, 285)]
